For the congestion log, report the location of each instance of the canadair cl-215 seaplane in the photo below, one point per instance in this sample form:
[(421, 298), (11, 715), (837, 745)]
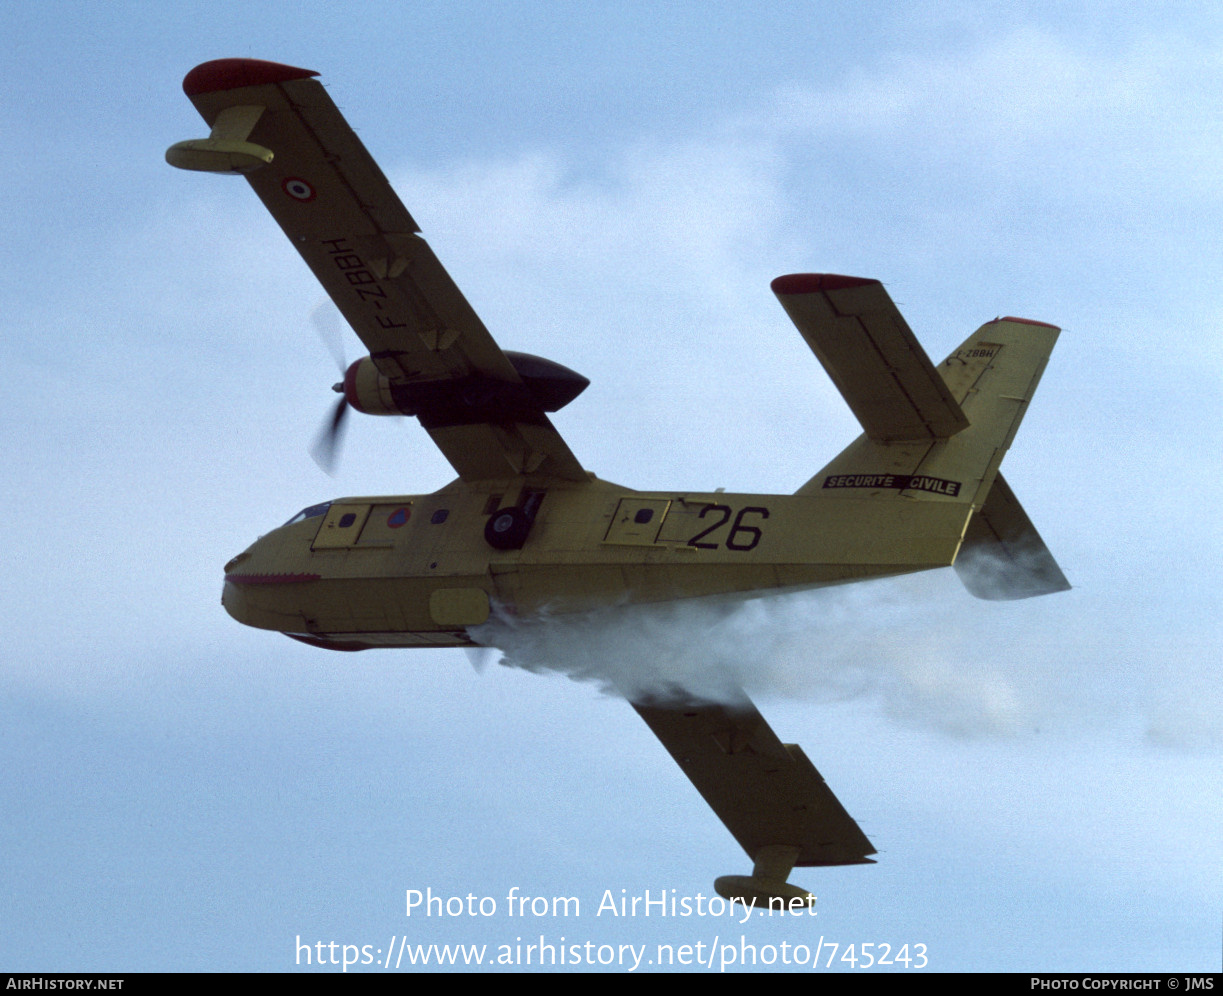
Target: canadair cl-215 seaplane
[(526, 527)]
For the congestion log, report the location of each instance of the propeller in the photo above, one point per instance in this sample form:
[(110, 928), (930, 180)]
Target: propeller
[(329, 324), (326, 447)]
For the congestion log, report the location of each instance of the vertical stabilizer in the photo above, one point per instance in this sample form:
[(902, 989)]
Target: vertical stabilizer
[(931, 433)]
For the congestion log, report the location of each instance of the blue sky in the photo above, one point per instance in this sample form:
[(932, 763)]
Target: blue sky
[(613, 189)]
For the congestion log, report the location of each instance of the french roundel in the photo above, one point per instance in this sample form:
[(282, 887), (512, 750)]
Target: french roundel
[(298, 189), (398, 518)]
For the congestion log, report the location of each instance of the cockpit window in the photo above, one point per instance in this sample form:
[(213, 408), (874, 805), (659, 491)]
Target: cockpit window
[(309, 513)]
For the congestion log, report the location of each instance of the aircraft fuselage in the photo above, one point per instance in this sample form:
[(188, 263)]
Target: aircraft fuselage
[(408, 571)]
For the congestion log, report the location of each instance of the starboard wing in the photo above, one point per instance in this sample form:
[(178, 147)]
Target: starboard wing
[(768, 794), (278, 126)]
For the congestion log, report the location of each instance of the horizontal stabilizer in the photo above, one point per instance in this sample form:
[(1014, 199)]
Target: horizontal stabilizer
[(872, 356), (767, 793), (1002, 556)]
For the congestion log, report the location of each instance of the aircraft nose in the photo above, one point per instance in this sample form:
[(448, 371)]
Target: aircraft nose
[(231, 597)]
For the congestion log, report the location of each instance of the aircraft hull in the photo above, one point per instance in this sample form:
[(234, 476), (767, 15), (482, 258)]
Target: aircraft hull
[(418, 571)]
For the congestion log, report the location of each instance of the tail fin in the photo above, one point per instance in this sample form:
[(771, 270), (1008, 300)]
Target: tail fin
[(932, 434)]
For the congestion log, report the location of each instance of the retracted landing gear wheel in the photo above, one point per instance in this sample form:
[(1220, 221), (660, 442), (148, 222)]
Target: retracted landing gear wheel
[(507, 528)]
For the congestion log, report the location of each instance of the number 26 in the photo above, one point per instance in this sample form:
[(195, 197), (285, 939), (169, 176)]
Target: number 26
[(740, 537)]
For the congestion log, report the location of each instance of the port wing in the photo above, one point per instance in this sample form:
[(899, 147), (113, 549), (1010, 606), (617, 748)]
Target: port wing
[(277, 126)]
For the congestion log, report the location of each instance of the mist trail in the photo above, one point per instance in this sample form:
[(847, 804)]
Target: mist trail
[(919, 648), (874, 639)]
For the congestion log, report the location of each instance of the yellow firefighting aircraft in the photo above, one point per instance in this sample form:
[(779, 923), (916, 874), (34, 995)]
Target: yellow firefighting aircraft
[(526, 527)]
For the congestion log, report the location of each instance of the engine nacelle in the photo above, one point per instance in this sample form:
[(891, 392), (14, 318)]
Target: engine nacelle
[(545, 385), (368, 391)]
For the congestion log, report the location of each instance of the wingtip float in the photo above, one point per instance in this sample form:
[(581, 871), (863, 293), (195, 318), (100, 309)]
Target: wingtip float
[(227, 150), (526, 526)]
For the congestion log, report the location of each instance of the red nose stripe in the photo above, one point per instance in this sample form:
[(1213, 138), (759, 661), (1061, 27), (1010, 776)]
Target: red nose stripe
[(271, 578)]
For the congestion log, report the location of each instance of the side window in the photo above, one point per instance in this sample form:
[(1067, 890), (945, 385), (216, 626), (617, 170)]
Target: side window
[(309, 513)]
